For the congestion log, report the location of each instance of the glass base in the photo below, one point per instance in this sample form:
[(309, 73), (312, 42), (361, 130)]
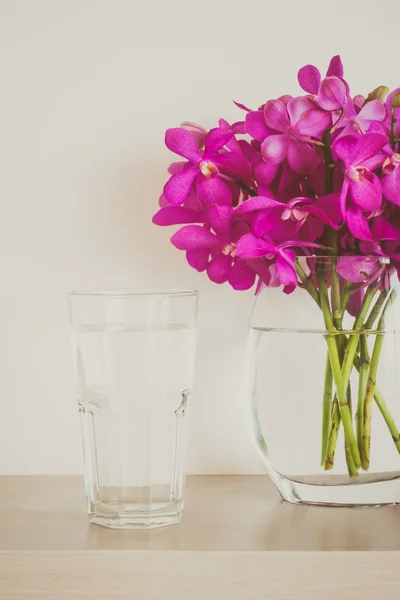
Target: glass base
[(123, 516), (369, 490)]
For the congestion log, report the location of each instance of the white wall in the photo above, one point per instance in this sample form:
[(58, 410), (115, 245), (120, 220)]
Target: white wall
[(87, 89)]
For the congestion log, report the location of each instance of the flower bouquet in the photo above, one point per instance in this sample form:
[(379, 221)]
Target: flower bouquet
[(304, 192)]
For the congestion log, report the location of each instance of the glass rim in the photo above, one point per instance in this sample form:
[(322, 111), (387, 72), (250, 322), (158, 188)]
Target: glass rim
[(134, 293), (383, 259)]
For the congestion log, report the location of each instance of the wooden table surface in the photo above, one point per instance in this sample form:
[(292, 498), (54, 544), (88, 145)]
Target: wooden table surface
[(237, 539)]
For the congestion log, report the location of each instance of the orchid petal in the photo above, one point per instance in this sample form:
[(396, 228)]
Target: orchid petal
[(265, 173), (271, 223), (286, 269), (258, 203), (220, 219), (234, 164), (358, 102), (198, 258), (215, 140), (276, 116), (181, 141), (176, 215), (354, 149), (383, 230), (249, 246), (358, 224), (355, 302), (177, 167), (373, 111), (177, 188), (358, 269), (298, 106), (327, 209), (193, 237), (335, 67), (313, 123), (332, 94), (301, 157), (197, 131), (256, 125), (366, 193), (274, 148), (241, 277), (343, 197), (309, 79), (242, 106), (391, 186), (212, 191), (219, 267)]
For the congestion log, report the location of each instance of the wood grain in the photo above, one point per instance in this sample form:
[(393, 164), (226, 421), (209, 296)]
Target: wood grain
[(237, 540)]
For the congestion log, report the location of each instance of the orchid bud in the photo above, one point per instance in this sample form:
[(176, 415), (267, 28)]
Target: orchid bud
[(396, 100), (379, 93)]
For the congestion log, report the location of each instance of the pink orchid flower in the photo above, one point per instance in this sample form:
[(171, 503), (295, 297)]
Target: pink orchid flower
[(361, 121), (198, 133), (297, 123), (250, 246), (216, 252), (388, 104), (209, 169), (282, 221), (391, 178), (330, 93), (359, 155)]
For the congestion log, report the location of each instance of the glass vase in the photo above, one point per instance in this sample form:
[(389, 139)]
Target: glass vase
[(134, 361), (324, 383)]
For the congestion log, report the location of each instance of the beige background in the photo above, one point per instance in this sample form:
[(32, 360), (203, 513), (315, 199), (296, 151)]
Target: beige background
[(88, 88)]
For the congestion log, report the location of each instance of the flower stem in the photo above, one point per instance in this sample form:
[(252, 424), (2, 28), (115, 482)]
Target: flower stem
[(393, 121), (337, 372), (345, 297), (246, 188), (354, 338), (335, 285), (369, 394), (326, 409), (307, 283), (369, 323), (363, 370), (332, 437)]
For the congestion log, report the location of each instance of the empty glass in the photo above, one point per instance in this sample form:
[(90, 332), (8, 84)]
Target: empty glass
[(134, 362)]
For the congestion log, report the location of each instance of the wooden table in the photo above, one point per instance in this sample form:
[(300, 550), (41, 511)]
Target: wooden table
[(236, 541)]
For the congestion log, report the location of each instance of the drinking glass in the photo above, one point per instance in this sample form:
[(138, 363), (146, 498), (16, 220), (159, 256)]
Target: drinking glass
[(134, 361)]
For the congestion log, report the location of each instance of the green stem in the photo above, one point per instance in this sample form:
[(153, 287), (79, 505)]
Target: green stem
[(333, 435), (363, 370), (369, 323), (246, 188), (326, 409), (346, 292), (354, 338), (307, 283), (335, 284), (383, 408), (351, 465), (393, 128), (337, 372), (369, 394)]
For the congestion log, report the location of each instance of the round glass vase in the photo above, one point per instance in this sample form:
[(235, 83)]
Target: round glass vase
[(324, 380)]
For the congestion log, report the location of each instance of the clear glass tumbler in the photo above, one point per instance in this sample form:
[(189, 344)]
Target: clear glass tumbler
[(134, 363)]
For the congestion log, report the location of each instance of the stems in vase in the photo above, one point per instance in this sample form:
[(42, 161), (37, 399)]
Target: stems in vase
[(363, 370), (337, 371), (327, 409), (369, 394), (333, 435)]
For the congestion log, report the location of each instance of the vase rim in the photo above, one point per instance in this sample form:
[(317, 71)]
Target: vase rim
[(135, 292)]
